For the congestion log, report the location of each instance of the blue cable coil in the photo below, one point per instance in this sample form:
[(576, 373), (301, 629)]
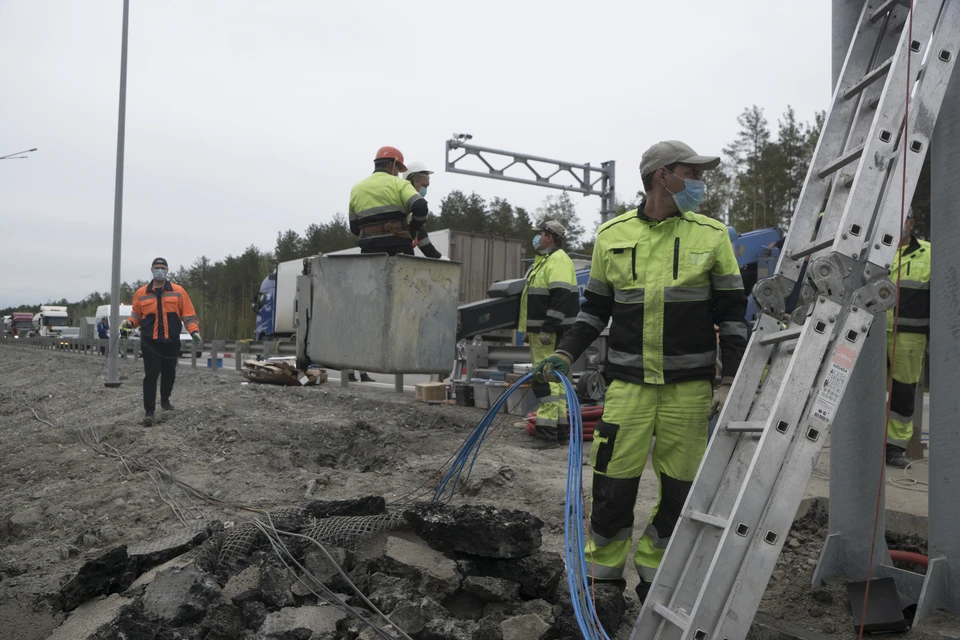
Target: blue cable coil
[(574, 542)]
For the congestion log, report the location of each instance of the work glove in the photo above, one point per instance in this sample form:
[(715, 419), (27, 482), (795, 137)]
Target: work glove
[(544, 371), (126, 324), (546, 338), (196, 338), (720, 398)]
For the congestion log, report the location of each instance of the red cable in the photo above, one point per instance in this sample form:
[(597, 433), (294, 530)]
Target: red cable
[(896, 318), (909, 556)]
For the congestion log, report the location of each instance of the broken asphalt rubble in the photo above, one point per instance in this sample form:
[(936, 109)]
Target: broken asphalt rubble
[(439, 572)]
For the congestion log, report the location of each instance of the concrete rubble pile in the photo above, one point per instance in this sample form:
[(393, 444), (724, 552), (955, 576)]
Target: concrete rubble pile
[(439, 572)]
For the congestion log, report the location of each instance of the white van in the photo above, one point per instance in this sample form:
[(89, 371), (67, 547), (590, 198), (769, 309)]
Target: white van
[(103, 311)]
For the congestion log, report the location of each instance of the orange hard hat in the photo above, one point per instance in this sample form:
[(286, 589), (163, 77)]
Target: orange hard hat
[(391, 153)]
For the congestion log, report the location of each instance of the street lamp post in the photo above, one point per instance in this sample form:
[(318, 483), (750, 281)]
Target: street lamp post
[(16, 156), (113, 379)]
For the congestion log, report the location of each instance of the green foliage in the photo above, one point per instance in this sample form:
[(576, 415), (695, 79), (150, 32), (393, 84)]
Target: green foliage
[(759, 183), (561, 209)]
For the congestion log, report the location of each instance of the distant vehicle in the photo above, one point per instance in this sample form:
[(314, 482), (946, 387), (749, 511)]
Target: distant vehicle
[(276, 301), (21, 324), (51, 320), (68, 335)]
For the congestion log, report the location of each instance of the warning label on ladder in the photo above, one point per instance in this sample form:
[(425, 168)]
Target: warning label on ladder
[(834, 384)]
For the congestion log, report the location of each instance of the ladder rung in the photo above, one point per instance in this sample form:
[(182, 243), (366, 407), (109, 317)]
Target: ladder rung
[(752, 426), (851, 156), (885, 6), (704, 518), (671, 616), (869, 79), (781, 336), (812, 248)]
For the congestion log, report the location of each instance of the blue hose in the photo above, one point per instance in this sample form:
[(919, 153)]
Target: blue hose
[(574, 543)]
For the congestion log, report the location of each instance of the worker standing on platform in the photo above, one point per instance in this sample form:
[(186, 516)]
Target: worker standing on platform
[(912, 267), (419, 176), (549, 305), (380, 205), (665, 275)]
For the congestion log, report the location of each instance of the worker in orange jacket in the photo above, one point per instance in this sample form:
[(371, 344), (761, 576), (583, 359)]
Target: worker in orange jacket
[(161, 308)]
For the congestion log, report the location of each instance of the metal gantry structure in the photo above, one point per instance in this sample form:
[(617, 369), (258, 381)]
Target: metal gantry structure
[(796, 372), (590, 180)]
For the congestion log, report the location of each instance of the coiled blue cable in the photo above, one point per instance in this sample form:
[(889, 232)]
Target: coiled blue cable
[(574, 543)]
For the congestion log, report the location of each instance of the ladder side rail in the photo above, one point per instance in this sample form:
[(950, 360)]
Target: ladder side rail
[(735, 475), (830, 145), (881, 145), (712, 470), (868, 109), (935, 73), (792, 403), (693, 547), (761, 557)]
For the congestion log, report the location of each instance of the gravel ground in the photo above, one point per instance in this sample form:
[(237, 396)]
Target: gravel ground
[(62, 502)]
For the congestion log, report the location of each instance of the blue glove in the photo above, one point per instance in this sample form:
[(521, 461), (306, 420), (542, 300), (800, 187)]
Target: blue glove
[(544, 371), (196, 338)]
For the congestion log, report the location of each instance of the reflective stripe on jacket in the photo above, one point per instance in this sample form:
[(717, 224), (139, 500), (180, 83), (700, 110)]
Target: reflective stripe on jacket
[(550, 298), (665, 284), (913, 264), (381, 198), (175, 308)]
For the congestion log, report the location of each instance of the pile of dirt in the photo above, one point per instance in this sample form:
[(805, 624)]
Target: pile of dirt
[(467, 573)]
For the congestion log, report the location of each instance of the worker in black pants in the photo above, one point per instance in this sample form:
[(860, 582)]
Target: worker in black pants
[(161, 308), (159, 361)]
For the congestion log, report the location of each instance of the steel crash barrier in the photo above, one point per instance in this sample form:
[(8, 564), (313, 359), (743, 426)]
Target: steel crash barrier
[(130, 347)]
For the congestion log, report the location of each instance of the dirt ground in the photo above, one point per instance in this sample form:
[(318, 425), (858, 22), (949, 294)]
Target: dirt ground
[(62, 503)]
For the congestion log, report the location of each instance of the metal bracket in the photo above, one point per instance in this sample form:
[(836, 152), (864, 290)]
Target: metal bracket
[(827, 275), (589, 180), (876, 297)]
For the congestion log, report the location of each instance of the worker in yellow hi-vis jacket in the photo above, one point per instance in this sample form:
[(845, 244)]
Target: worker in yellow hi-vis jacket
[(912, 268), (548, 306), (665, 276)]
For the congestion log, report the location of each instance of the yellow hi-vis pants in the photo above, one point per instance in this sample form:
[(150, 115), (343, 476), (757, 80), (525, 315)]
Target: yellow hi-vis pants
[(632, 415), (552, 422), (906, 375)]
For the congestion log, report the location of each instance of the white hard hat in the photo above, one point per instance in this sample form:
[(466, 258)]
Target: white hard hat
[(416, 167)]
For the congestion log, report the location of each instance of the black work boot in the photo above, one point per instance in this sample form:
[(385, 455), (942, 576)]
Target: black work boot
[(642, 589), (895, 457), (366, 378), (165, 405), (149, 419), (351, 377)]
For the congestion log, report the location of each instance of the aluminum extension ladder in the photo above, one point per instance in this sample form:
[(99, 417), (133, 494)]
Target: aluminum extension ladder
[(749, 486)]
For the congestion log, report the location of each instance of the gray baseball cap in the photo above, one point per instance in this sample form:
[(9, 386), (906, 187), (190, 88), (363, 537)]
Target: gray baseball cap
[(670, 151), (553, 227)]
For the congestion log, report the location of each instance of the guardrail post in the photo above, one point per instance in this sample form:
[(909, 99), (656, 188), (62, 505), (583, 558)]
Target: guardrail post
[(238, 355), (215, 351), (398, 383), (193, 355), (269, 349)]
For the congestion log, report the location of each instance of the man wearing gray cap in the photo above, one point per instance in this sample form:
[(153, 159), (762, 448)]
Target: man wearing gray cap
[(548, 306), (665, 275)]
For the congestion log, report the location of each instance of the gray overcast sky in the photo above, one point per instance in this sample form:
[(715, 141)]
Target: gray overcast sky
[(246, 117)]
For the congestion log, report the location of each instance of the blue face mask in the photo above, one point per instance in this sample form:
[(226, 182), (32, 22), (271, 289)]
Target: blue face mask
[(159, 274), (690, 198), (423, 192), (536, 242)]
